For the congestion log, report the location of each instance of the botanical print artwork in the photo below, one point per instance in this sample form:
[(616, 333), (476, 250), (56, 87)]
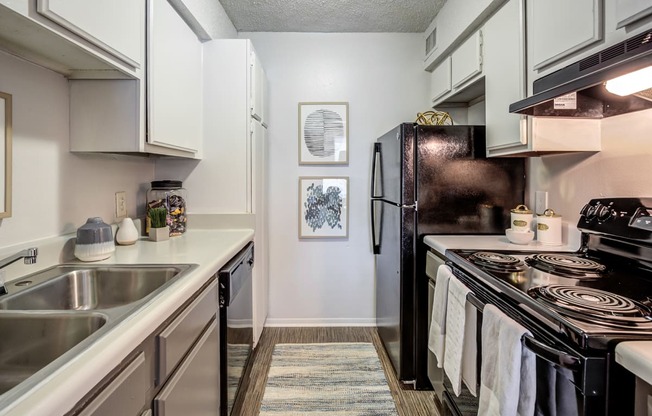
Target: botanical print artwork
[(323, 133), (323, 207), (320, 130)]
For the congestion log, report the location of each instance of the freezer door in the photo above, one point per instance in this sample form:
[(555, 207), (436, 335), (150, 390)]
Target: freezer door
[(395, 286), (394, 162)]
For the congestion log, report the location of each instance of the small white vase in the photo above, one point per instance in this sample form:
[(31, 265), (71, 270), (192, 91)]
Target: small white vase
[(159, 234), (127, 233)]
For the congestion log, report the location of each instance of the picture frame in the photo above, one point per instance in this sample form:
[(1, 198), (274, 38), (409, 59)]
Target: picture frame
[(323, 133), (323, 207), (5, 154)]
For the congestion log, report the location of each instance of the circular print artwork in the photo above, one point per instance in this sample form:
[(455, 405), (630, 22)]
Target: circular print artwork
[(321, 129)]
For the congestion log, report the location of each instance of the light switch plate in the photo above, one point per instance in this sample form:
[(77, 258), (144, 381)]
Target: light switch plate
[(540, 202), (120, 204)]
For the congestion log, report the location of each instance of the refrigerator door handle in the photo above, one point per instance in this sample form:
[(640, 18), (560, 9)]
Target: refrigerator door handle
[(374, 242), (377, 158)]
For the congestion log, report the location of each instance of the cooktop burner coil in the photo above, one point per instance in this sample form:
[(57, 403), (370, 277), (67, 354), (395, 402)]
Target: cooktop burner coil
[(592, 305), (566, 265), (497, 262)]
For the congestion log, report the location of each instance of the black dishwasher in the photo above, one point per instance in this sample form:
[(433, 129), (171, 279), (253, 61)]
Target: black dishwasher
[(236, 325)]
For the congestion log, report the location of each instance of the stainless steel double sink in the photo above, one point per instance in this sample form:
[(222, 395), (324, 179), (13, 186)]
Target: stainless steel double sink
[(51, 316)]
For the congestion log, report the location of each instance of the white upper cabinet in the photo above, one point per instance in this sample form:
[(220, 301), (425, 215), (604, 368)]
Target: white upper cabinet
[(505, 73), (466, 60), (440, 80), (174, 79), (631, 11), (78, 38), (454, 78), (166, 118), (557, 29), (258, 89), (113, 25)]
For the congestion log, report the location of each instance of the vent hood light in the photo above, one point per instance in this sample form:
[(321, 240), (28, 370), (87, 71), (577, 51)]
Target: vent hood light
[(584, 81), (630, 83)]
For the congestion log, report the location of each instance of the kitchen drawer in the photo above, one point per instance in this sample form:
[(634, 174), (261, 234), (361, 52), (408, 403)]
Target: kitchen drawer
[(126, 394), (197, 377), (177, 338)]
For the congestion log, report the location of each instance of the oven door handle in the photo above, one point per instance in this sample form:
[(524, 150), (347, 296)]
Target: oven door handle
[(550, 354)]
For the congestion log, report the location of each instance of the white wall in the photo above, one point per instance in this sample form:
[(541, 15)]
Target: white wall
[(622, 168), (381, 76), (55, 191)]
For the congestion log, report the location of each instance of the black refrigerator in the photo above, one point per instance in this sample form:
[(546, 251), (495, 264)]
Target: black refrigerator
[(429, 180)]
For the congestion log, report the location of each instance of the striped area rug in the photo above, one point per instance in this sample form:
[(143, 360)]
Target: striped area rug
[(327, 379)]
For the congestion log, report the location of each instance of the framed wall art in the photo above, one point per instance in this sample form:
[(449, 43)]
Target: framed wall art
[(323, 207), (324, 133)]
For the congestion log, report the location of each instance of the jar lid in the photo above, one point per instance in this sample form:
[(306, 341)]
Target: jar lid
[(167, 184), (549, 213), (521, 209)]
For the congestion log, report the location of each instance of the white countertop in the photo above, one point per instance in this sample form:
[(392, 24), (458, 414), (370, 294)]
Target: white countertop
[(636, 356), (441, 243), (59, 392)]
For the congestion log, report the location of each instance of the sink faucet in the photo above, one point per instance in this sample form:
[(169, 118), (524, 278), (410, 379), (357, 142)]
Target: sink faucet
[(28, 254)]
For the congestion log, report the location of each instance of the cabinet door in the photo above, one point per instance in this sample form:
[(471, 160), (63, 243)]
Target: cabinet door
[(113, 25), (505, 74), (466, 60), (258, 86), (260, 272), (630, 11), (556, 29), (440, 80), (174, 80)]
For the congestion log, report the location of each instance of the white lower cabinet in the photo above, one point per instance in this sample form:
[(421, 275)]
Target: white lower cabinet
[(174, 372)]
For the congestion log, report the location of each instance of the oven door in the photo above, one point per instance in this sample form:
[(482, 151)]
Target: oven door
[(568, 383)]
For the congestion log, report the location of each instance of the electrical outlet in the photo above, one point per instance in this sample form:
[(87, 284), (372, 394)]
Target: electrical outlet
[(540, 201), (120, 204)]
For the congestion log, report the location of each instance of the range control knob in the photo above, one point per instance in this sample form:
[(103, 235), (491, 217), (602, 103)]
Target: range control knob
[(591, 212), (605, 213), (584, 209)]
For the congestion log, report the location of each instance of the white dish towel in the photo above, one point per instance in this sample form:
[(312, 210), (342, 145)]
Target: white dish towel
[(455, 331), (437, 334), (507, 376)]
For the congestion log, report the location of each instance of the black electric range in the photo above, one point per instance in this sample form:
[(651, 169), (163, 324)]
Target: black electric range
[(579, 305)]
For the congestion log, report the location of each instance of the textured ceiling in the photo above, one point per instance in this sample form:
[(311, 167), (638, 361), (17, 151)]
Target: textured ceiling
[(331, 15)]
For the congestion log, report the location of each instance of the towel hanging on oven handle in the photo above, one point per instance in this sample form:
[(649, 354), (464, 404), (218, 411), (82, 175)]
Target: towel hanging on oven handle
[(553, 355)]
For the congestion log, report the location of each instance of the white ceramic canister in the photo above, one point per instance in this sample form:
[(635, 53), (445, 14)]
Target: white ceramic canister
[(549, 228), (521, 219)]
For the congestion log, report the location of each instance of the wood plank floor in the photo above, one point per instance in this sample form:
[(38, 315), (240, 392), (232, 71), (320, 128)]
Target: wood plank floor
[(408, 402)]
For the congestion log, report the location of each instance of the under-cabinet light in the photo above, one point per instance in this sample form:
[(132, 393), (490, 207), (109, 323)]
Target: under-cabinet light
[(630, 83)]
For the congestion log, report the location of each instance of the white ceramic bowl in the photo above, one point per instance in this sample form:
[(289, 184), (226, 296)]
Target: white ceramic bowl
[(518, 237)]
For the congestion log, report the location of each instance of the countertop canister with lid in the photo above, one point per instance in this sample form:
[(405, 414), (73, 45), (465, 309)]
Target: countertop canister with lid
[(521, 219), (549, 228), (172, 195)]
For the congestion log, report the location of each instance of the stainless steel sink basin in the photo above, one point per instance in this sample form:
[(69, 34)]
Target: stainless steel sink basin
[(31, 342), (50, 317), (86, 288)]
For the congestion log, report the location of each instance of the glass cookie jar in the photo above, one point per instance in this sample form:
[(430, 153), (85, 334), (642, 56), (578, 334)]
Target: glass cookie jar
[(171, 195)]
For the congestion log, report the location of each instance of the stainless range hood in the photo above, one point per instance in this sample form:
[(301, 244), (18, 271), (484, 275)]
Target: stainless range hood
[(578, 90)]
